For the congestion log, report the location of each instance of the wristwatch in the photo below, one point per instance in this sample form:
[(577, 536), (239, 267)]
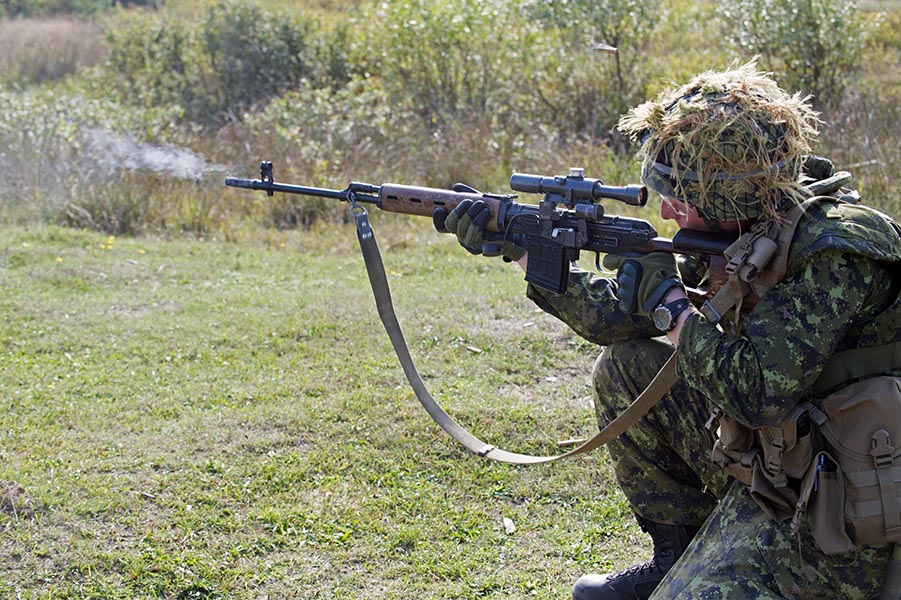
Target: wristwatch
[(665, 315)]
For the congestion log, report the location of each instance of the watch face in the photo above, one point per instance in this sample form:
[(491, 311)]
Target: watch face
[(665, 315), (663, 318)]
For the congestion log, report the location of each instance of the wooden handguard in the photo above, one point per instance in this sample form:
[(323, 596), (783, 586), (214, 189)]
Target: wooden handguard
[(422, 201)]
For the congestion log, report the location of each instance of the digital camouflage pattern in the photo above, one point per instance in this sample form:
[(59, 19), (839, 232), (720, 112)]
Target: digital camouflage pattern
[(830, 298), (591, 308), (741, 554), (662, 463), (840, 292)]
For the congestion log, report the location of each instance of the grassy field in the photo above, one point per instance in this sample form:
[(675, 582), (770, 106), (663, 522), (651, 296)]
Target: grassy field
[(203, 419), (206, 406)]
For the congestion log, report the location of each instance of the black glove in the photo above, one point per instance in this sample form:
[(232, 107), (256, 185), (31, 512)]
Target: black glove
[(643, 280), (468, 221), (817, 168)]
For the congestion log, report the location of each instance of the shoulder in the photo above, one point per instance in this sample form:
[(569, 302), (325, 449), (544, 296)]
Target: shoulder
[(848, 228)]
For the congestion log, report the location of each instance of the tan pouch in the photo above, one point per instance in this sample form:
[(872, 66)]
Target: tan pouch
[(786, 453), (824, 486), (862, 433), (734, 448), (788, 447), (779, 502), (767, 457), (838, 460)]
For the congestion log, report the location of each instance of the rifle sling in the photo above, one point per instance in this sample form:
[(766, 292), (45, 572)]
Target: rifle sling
[(378, 279)]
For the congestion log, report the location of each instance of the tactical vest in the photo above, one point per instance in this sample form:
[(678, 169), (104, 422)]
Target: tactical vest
[(837, 456)]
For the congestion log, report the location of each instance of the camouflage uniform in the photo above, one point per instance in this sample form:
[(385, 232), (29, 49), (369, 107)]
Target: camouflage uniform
[(840, 292)]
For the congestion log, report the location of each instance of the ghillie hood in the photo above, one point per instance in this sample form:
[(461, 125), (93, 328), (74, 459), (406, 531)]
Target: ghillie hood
[(730, 143)]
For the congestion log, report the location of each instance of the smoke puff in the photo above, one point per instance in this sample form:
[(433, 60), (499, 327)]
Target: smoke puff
[(113, 152)]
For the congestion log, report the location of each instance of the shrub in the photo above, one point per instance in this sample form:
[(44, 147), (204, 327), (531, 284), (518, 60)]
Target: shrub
[(426, 92), (813, 46), (254, 54), (625, 25), (155, 62), (443, 57), (67, 158), (239, 57), (447, 61)]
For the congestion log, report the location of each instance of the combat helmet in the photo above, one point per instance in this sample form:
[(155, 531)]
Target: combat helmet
[(730, 143)]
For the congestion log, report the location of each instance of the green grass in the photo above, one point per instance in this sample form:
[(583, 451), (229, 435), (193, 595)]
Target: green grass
[(207, 419)]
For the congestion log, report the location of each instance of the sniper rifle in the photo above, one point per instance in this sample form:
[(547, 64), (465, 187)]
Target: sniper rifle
[(568, 220)]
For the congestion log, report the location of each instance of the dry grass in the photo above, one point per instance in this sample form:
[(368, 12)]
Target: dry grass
[(43, 50)]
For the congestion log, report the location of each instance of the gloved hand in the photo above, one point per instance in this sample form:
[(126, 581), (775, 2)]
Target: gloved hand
[(643, 280), (817, 168), (468, 221)]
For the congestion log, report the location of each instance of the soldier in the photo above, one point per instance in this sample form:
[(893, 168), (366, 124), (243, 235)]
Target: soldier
[(727, 152)]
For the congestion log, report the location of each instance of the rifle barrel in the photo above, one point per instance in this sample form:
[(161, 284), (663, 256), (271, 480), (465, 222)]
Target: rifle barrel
[(360, 190)]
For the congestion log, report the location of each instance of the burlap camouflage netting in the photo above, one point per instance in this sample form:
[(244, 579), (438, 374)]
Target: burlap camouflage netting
[(730, 143)]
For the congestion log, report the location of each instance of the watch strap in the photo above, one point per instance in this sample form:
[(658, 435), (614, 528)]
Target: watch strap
[(676, 308)]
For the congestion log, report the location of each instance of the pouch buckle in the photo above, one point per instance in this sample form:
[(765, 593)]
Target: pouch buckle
[(882, 449)]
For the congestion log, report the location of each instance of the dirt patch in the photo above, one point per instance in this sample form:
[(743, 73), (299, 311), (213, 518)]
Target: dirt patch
[(140, 311), (15, 501)]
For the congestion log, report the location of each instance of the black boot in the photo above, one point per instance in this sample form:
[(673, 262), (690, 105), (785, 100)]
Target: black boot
[(638, 581)]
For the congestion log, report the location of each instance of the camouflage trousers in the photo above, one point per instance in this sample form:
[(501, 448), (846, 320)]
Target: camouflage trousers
[(662, 465)]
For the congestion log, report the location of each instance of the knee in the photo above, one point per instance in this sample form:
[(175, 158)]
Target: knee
[(624, 369), (611, 362)]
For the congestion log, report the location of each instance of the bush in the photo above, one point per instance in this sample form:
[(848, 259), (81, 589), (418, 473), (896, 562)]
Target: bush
[(328, 138), (447, 61), (255, 55), (628, 26), (154, 62), (69, 159), (813, 46), (443, 57), (240, 57), (426, 92)]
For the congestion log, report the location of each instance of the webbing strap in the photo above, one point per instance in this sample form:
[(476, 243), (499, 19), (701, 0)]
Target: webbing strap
[(734, 290), (724, 300), (378, 279), (857, 363), (862, 479), (891, 587), (889, 495)]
